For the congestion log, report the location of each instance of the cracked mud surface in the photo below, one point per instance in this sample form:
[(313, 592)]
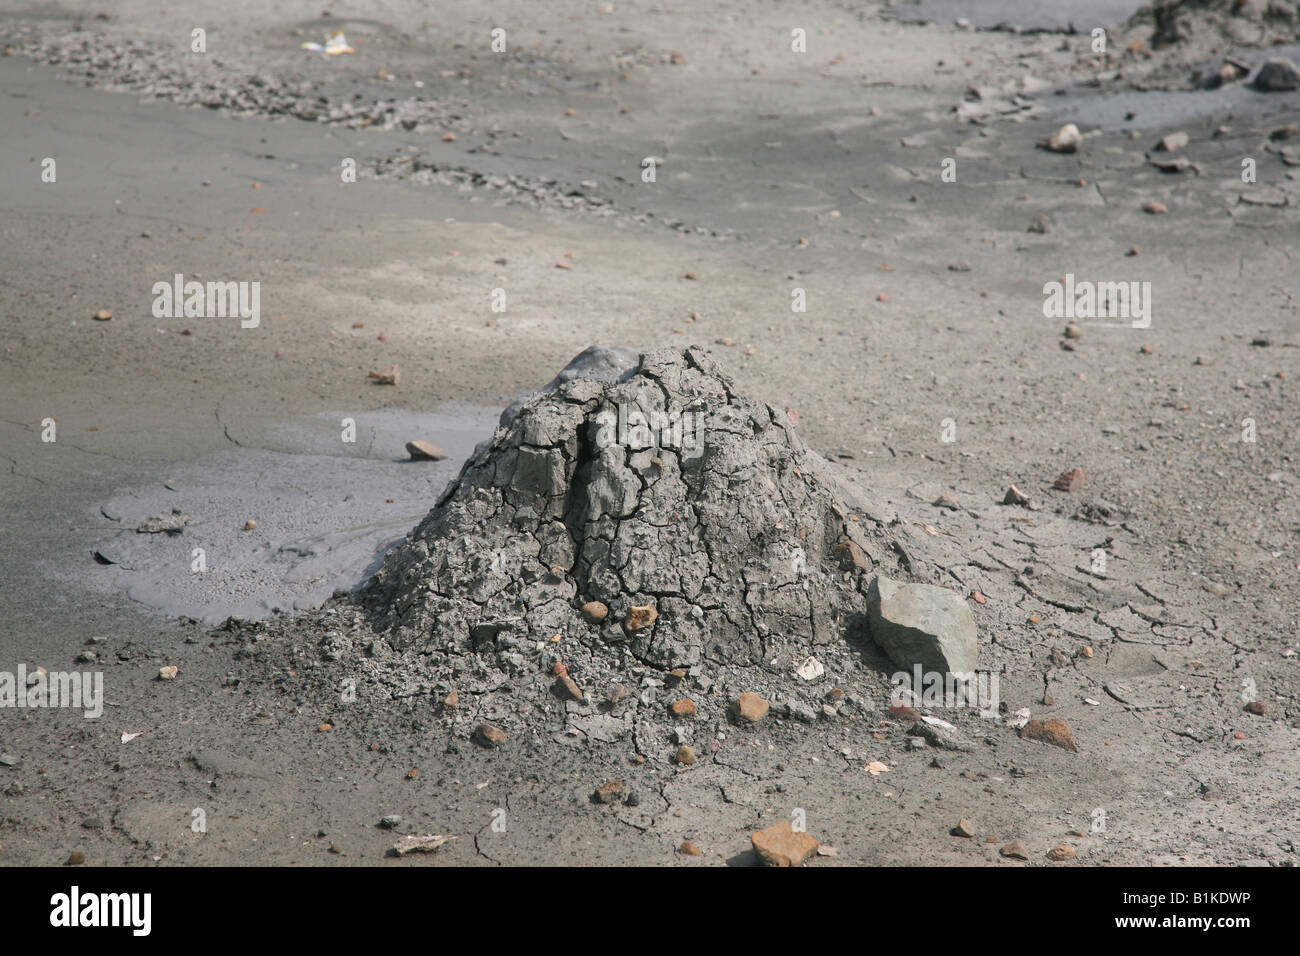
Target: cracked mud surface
[(741, 527)]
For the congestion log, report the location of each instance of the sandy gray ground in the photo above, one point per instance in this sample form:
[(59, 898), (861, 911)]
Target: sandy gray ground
[(781, 171)]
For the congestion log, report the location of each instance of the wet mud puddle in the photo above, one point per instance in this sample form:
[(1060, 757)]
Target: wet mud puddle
[(290, 512)]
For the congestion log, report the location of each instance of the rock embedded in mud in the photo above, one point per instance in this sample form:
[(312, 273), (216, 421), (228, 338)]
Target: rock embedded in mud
[(940, 733), (685, 707), (611, 791), (594, 612), (1052, 731), (1237, 67), (173, 523), (782, 845), (1277, 76), (1015, 850), (1172, 142), (388, 375), (684, 756), (1065, 140), (903, 712), (852, 557), (750, 707), (424, 451), (922, 624), (639, 617), (810, 669), (566, 689), (486, 735), (415, 843), (799, 710), (1061, 853), (1071, 480)]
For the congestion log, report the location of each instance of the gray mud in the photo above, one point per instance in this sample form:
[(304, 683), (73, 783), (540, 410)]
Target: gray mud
[(325, 508), (923, 374)]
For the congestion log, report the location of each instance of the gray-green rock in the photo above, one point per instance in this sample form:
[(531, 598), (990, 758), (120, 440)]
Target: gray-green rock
[(922, 624)]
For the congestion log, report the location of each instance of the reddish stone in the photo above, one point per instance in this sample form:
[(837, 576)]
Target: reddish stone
[(489, 736), (782, 845), (594, 612), (1071, 480), (609, 792), (1015, 850), (751, 707), (566, 688), (902, 712), (1052, 731), (683, 708)]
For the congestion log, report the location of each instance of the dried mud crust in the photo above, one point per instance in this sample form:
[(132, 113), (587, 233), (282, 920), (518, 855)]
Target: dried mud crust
[(737, 552), (721, 565), (734, 546)]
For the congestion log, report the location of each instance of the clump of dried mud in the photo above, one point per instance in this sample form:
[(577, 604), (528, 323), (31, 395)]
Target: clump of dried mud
[(634, 534), (661, 490)]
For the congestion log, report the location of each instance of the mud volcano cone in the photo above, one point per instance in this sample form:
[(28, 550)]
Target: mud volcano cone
[(694, 515)]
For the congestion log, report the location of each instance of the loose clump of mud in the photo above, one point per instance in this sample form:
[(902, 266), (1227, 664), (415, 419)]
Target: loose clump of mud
[(634, 534)]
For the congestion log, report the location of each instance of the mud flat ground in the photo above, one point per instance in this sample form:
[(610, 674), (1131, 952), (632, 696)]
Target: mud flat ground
[(522, 171)]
